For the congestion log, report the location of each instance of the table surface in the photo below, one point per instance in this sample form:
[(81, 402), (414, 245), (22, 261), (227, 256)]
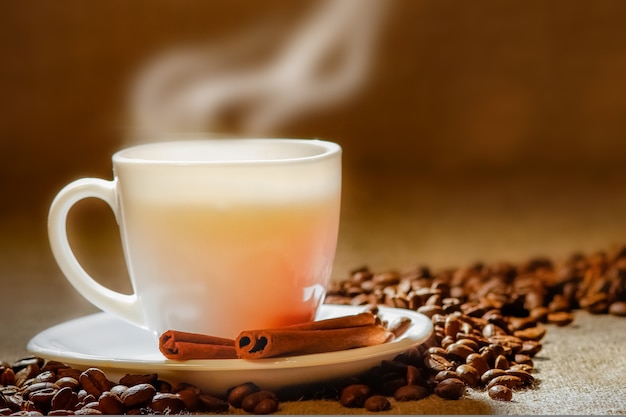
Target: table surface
[(392, 221)]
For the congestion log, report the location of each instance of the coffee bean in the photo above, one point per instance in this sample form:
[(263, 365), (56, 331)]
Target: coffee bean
[(88, 411), (191, 398), (252, 400), (64, 399), (501, 362), (450, 389), (354, 396), (7, 376), (437, 363), (238, 393), (491, 374), (500, 393), (138, 395), (478, 362), (95, 382), (212, 404), (67, 381), (562, 318), (118, 389), (507, 380), (166, 403), (410, 393), (460, 350), (266, 406), (43, 398), (60, 412), (130, 379), (377, 403), (524, 376), (531, 333), (469, 375), (110, 403), (413, 375)]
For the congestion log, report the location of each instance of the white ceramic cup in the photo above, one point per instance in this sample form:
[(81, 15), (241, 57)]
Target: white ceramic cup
[(219, 235)]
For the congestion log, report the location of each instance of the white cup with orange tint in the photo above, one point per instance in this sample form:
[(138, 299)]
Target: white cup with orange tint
[(219, 235)]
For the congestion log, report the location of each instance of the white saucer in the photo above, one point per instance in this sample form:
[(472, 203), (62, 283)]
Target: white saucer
[(103, 341)]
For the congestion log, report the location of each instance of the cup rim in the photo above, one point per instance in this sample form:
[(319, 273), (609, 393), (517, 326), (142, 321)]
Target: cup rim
[(326, 149)]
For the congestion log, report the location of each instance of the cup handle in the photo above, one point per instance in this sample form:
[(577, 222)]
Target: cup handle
[(121, 305)]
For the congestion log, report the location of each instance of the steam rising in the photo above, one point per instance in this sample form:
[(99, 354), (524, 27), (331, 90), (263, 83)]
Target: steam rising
[(325, 61)]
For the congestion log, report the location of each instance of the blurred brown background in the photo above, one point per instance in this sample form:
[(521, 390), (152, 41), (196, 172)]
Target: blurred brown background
[(490, 121), (485, 130)]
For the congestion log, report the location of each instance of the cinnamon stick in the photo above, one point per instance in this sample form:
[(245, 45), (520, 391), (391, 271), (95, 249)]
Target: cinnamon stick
[(361, 319), (182, 346), (312, 337)]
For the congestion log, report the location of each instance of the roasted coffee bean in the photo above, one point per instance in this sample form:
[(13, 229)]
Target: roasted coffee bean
[(531, 333), (452, 325), (562, 318), (459, 350), (478, 362), (524, 376), (118, 389), (410, 393), (138, 395), (129, 379), (354, 396), (491, 374), (68, 381), (45, 376), (437, 363), (94, 405), (437, 350), (7, 376), (450, 389), (84, 397), (531, 347), (64, 399), (162, 386), (500, 393), (38, 386), (95, 382), (469, 375), (413, 375), (510, 381), (191, 398), (69, 372), (61, 413), (521, 358), (88, 411), (377, 403), (43, 398), (507, 341), (26, 373), (501, 362), (110, 403), (212, 404), (27, 361), (238, 393), (266, 406), (445, 374), (166, 403), (252, 400)]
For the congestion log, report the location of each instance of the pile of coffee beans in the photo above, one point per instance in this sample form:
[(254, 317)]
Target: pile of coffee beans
[(488, 321), (34, 387), (488, 324)]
